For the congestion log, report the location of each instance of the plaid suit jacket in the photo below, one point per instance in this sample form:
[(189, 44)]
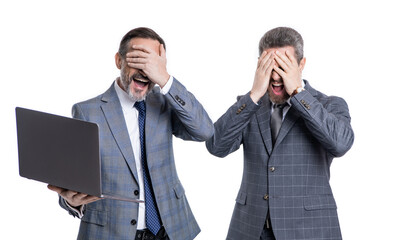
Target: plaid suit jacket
[(176, 113), (291, 179)]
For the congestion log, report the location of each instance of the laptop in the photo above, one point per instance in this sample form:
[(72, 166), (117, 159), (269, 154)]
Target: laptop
[(61, 151)]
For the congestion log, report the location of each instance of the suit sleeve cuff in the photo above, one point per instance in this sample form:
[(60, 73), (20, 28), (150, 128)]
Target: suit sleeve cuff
[(79, 211), (167, 86)]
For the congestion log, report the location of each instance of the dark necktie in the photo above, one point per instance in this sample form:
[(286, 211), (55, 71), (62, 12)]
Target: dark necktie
[(152, 215), (276, 120)]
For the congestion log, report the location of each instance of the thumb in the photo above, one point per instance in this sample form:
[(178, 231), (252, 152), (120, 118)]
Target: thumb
[(55, 189)]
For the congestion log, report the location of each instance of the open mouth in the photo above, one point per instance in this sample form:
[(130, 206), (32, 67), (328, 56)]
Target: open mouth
[(141, 82), (277, 88)]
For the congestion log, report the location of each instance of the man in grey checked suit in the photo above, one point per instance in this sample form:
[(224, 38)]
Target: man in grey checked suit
[(170, 110), (285, 191)]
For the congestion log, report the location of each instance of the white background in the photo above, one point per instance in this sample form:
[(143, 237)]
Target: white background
[(56, 53)]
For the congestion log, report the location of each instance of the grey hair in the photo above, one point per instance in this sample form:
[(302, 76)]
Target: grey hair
[(141, 32), (282, 37)]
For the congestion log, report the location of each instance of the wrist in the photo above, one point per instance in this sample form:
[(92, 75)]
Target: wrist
[(255, 97), (164, 82), (297, 90)]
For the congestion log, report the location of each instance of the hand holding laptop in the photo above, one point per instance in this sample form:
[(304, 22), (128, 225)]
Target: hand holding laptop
[(75, 199)]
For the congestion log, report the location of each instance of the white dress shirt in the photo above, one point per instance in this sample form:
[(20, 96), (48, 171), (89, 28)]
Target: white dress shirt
[(131, 118)]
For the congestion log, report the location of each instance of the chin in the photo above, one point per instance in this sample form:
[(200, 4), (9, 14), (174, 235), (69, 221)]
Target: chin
[(139, 95), (136, 96), (278, 99)]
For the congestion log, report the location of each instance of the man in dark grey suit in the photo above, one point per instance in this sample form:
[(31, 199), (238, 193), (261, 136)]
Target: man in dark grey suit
[(290, 134), (137, 121)]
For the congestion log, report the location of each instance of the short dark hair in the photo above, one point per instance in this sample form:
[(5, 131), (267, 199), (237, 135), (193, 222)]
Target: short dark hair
[(141, 32), (282, 37)]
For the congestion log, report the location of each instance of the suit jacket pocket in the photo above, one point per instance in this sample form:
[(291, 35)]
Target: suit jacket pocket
[(241, 198), (96, 217), (179, 190), (317, 202)]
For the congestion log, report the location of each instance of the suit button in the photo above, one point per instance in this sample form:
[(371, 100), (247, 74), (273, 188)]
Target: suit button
[(133, 222), (180, 100), (136, 192), (266, 197), (272, 169), (238, 111)]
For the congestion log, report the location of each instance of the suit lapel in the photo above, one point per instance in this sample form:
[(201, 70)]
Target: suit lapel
[(116, 122), (263, 117), (287, 124)]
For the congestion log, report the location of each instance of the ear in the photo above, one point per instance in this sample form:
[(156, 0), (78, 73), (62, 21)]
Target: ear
[(302, 64), (162, 50), (118, 59)]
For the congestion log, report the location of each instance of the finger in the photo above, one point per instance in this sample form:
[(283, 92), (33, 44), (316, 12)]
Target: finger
[(90, 199), (269, 67), (281, 61), (136, 60), (291, 57), (55, 189), (265, 64), (280, 72), (137, 53), (260, 58), (137, 65), (266, 59), (81, 198), (142, 48), (68, 194)]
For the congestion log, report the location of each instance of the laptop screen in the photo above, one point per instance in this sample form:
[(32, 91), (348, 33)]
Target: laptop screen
[(61, 151)]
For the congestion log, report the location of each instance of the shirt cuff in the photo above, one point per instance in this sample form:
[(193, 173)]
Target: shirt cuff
[(79, 211), (167, 86)]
